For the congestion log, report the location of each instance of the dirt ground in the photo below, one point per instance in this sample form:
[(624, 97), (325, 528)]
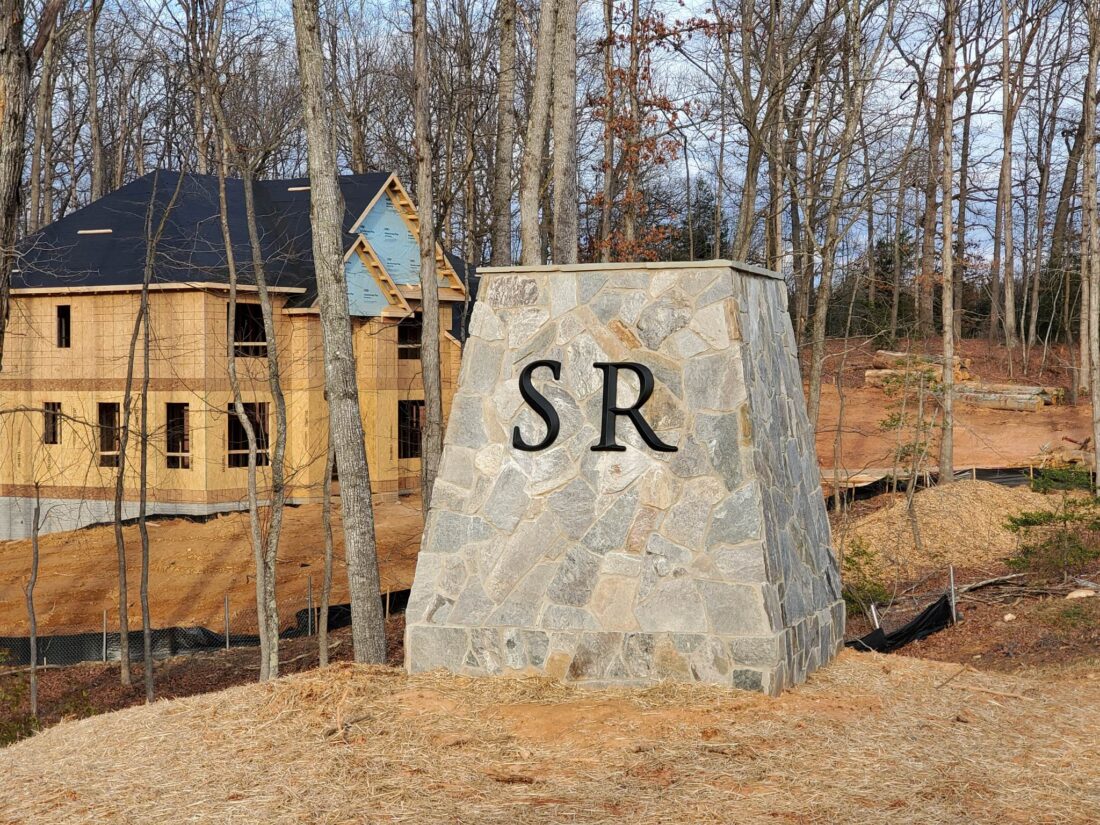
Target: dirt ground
[(1040, 633), (870, 738), (983, 438), (192, 566)]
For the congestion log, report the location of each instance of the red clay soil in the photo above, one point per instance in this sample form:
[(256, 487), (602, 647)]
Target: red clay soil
[(984, 438), (192, 566)]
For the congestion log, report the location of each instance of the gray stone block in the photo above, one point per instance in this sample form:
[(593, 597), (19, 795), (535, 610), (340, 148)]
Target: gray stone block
[(595, 653), (734, 609), (507, 502), (673, 605), (610, 528), (575, 578), (436, 647), (512, 291), (660, 319)]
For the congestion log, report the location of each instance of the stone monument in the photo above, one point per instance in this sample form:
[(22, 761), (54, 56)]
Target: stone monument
[(629, 489)]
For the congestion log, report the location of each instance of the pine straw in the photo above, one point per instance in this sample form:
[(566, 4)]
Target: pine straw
[(870, 738), (961, 524)]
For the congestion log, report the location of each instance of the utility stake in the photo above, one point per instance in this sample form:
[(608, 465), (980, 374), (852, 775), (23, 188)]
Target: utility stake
[(104, 635), (951, 578), (309, 606), (227, 620), (874, 615), (387, 605)]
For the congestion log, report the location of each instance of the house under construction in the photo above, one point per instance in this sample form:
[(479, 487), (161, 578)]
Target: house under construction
[(75, 297)]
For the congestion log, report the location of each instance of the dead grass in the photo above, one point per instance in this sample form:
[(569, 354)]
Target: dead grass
[(961, 524), (869, 739)]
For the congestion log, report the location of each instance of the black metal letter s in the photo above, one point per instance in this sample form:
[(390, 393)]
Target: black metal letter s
[(540, 405)]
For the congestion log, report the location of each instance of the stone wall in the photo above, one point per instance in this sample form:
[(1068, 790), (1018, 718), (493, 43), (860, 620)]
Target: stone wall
[(710, 563)]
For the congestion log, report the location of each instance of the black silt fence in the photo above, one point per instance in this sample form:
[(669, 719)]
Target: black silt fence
[(932, 619), (73, 648)]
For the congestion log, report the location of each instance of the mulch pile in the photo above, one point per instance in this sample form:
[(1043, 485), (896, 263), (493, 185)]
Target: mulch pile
[(961, 524)]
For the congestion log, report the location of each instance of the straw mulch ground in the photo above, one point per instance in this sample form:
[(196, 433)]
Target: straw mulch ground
[(961, 524), (871, 738)]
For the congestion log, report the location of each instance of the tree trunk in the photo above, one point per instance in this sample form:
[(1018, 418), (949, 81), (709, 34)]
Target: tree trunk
[(506, 138), (925, 289), (1065, 199), (746, 213), (16, 63), (607, 194), (534, 145), (270, 610), (152, 239), (32, 617), (964, 198), (1090, 259), (995, 294), (41, 170), (774, 225), (1008, 117), (872, 275), (565, 134), (143, 497), (1090, 243), (345, 421), (947, 107), (255, 529), (326, 579), (432, 433), (91, 81)]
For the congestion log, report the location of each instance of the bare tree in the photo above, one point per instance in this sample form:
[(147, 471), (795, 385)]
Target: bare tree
[(32, 617), (534, 145), (1090, 252), (265, 111), (326, 576), (16, 64), (432, 432), (345, 422), (41, 183), (859, 53), (565, 133), (506, 137), (947, 117), (95, 130)]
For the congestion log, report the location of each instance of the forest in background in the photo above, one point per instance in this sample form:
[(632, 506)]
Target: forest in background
[(802, 135)]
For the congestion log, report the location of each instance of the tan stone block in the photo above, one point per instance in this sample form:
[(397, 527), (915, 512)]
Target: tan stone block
[(624, 334), (657, 488), (732, 322), (558, 664), (668, 661), (612, 602), (645, 525)]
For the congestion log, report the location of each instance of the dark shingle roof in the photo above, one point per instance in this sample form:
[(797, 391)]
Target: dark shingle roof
[(191, 248)]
